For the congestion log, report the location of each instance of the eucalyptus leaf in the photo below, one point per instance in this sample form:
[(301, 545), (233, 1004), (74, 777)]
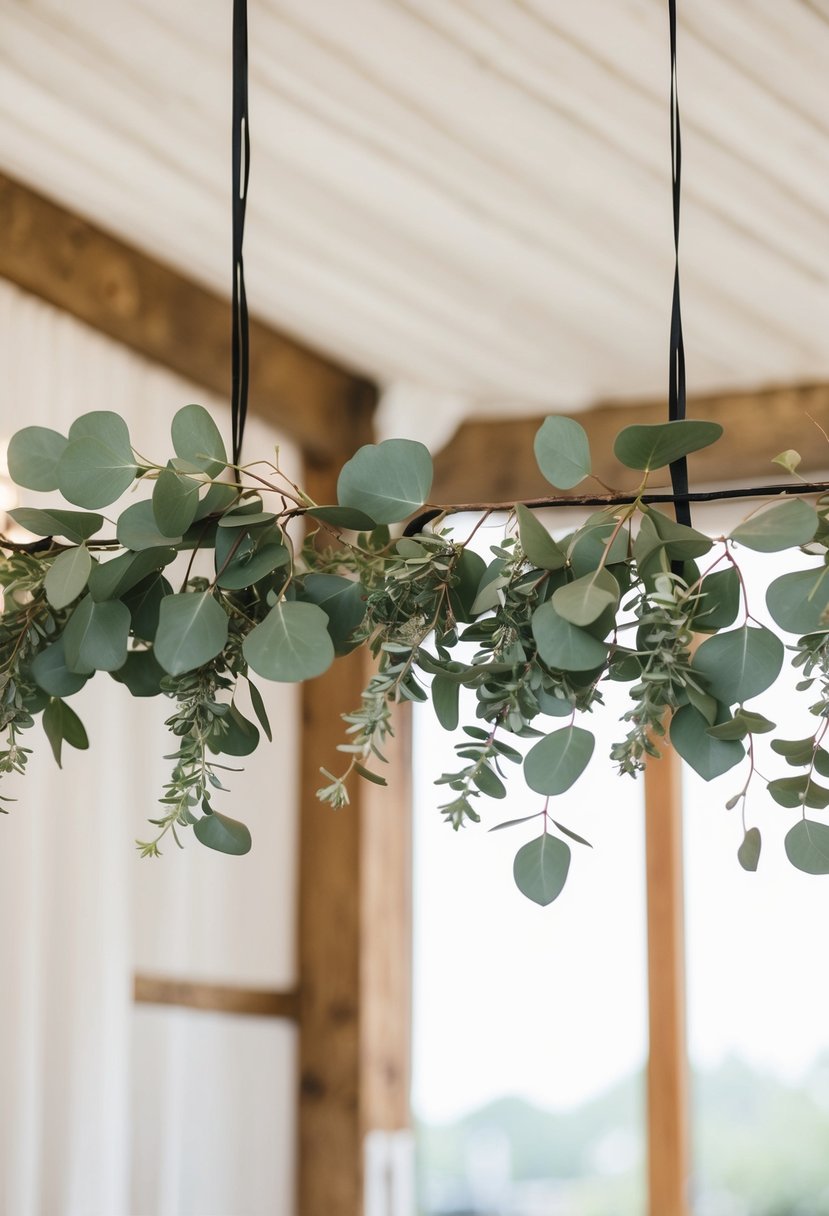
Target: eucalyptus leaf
[(192, 630), (219, 498), (739, 664), (540, 869), (237, 736), (259, 709), (512, 823), (62, 725), (557, 761), (197, 439), (223, 834), (585, 599), (710, 757), (137, 528), (718, 602), (653, 447), (748, 853), (291, 644), (784, 526), (387, 481), (342, 517), (95, 637), (562, 452), (249, 568), (33, 457), (114, 578), (807, 846), (141, 674), (144, 603), (537, 542), (67, 576), (572, 835), (49, 671), (798, 791), (343, 602), (563, 646), (798, 601), (175, 502), (74, 526), (91, 474), (445, 694)]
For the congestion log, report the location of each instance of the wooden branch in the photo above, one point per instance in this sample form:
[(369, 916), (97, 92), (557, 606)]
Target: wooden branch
[(162, 315), (493, 459), (668, 1135), (218, 998)]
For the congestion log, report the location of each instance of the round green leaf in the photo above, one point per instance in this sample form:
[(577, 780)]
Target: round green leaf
[(719, 601), (563, 646), (247, 568), (797, 602), (67, 576), (217, 499), (95, 637), (343, 602), (783, 526), (144, 603), (50, 672), (748, 853), (342, 517), (192, 630), (739, 664), (223, 834), (234, 736), (175, 502), (708, 756), (807, 846), (197, 439), (33, 457), (585, 599), (557, 761), (562, 452), (291, 644), (537, 543), (74, 526), (540, 869), (107, 427), (141, 674), (652, 447), (387, 481), (137, 528), (92, 474)]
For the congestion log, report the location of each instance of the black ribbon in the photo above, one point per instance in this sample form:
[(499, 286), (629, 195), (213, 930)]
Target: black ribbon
[(676, 374), (240, 341)]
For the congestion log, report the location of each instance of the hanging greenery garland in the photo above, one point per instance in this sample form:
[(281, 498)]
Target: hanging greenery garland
[(215, 579)]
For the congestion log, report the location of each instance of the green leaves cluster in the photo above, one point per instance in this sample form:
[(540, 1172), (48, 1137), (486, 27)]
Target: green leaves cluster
[(209, 577)]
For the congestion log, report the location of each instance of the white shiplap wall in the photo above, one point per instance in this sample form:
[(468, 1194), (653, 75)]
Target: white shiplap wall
[(467, 196)]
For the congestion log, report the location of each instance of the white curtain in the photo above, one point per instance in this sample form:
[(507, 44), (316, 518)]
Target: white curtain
[(108, 1110)]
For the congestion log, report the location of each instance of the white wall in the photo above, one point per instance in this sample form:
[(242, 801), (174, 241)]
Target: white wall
[(106, 1110)]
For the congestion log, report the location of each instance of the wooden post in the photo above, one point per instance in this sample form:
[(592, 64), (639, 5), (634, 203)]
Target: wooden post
[(354, 944), (668, 1136)]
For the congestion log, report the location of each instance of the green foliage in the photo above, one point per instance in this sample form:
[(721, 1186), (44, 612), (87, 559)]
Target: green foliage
[(208, 582), (562, 452)]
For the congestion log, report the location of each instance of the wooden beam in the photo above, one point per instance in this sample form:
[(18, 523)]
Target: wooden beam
[(166, 317), (354, 945), (217, 998), (668, 1134), (493, 459)]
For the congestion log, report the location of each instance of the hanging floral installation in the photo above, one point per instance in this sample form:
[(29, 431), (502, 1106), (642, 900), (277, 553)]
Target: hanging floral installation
[(207, 583), (222, 573)]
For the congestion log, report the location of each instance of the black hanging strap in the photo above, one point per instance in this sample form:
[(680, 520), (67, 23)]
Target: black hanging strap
[(676, 375), (240, 171)]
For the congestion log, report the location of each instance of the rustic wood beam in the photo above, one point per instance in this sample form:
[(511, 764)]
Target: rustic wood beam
[(493, 458), (166, 317), (354, 944), (668, 1119), (216, 998)]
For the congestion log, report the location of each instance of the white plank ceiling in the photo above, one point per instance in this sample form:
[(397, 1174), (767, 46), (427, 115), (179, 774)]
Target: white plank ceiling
[(468, 197)]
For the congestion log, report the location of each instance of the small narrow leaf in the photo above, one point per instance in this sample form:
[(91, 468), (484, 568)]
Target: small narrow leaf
[(445, 694)]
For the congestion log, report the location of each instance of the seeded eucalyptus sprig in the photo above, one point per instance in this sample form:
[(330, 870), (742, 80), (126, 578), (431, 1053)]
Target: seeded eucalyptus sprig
[(214, 576)]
